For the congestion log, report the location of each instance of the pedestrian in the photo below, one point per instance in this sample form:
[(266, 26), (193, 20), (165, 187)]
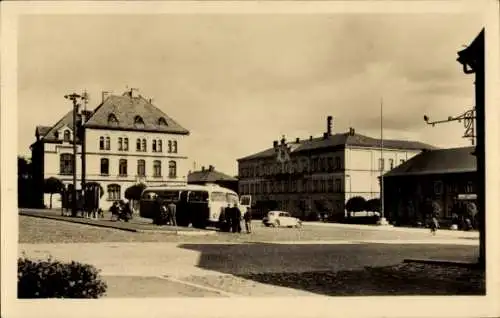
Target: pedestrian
[(228, 214), (115, 211), (434, 224), (248, 220), (236, 219), (172, 213)]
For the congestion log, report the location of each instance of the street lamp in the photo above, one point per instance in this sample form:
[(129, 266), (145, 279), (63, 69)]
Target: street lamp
[(74, 98)]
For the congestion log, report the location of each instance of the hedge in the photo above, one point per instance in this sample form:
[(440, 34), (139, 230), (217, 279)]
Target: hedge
[(54, 279)]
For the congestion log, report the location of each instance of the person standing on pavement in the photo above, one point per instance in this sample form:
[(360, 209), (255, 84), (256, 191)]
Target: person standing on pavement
[(248, 220), (228, 214), (172, 213), (236, 219)]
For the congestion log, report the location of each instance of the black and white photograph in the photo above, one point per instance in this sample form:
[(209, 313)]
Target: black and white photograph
[(210, 153)]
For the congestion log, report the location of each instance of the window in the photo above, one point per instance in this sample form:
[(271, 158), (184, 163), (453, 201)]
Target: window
[(381, 164), (114, 192), (101, 143), (162, 122), (122, 167), (67, 136), (172, 169), (330, 166), (138, 122), (338, 185), (138, 145), (338, 163), (104, 166), (160, 146), (141, 167), (391, 164), (112, 120), (144, 145), (154, 146), (157, 168), (169, 146), (174, 146), (120, 143), (438, 187), (330, 185), (108, 143), (66, 164), (323, 186), (125, 145)]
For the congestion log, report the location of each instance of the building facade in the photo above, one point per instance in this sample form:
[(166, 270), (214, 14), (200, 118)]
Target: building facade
[(321, 174), (447, 177), (126, 140)]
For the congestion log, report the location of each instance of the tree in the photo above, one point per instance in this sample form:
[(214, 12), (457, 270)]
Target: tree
[(355, 204), (52, 185), (373, 205), (134, 193)]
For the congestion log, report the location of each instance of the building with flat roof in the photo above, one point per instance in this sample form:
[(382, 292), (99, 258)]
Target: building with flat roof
[(211, 176), (447, 177)]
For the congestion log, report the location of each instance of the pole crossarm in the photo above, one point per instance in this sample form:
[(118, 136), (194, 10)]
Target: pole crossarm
[(468, 117)]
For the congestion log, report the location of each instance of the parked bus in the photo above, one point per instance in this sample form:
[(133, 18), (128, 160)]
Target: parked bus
[(199, 205)]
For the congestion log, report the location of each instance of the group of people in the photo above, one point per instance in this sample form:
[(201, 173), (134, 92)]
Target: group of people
[(231, 217), (167, 214), (121, 211)]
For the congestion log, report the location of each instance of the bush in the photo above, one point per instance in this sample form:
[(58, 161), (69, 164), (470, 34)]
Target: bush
[(355, 204), (373, 205), (54, 279)]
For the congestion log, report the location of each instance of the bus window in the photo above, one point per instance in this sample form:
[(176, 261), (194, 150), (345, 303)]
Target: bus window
[(169, 195), (218, 197), (149, 195), (198, 196)]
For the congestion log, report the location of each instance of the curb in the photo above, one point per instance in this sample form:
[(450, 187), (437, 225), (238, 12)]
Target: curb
[(179, 233), (442, 262)]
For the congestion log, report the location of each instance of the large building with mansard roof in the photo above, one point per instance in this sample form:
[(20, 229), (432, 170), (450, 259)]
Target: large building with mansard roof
[(126, 140)]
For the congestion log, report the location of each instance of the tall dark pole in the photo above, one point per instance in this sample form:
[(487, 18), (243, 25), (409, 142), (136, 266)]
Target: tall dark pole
[(74, 97), (472, 59)]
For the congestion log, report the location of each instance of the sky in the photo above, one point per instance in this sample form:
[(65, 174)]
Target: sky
[(240, 82)]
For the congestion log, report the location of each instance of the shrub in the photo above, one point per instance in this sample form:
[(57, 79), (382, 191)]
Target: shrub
[(373, 205), (54, 279), (52, 185), (355, 204)]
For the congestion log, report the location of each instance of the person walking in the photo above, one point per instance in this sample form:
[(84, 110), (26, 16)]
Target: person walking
[(434, 224), (172, 213), (248, 221), (115, 211)]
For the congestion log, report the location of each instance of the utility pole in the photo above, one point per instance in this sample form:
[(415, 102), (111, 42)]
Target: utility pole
[(85, 98), (74, 98), (382, 220)]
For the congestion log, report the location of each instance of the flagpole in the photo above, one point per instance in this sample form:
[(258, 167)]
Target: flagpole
[(382, 163)]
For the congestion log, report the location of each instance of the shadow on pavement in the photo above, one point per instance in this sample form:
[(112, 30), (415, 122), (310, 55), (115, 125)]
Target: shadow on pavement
[(335, 270)]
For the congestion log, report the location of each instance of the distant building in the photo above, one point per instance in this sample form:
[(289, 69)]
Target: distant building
[(127, 140), (210, 175), (446, 176), (316, 174)]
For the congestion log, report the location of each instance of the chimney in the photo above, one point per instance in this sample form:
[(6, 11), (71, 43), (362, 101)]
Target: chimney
[(325, 135), (105, 95), (297, 140), (351, 131), (329, 125), (275, 144), (283, 140), (210, 168), (134, 93), (202, 168), (310, 138), (150, 101)]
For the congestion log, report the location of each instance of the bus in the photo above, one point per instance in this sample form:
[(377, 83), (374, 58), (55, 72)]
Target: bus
[(198, 205)]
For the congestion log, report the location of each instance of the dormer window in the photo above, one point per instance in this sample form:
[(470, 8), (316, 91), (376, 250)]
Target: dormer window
[(162, 121), (67, 136), (112, 120), (138, 121)]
